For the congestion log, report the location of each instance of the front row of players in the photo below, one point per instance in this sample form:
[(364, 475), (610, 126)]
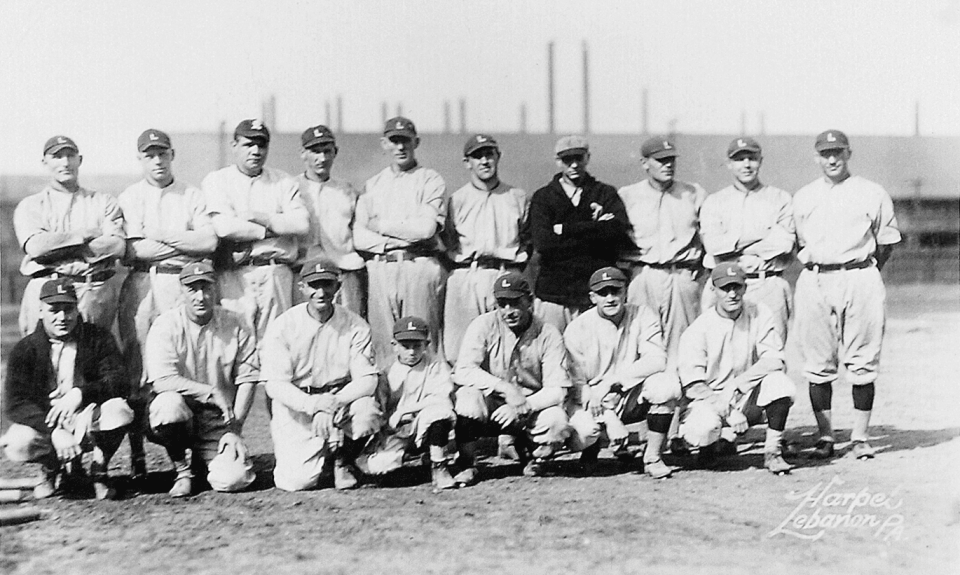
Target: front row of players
[(334, 416)]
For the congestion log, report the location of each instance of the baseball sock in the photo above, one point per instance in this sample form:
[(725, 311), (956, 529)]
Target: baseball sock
[(659, 425), (771, 443), (862, 409), (863, 396), (777, 412), (821, 398)]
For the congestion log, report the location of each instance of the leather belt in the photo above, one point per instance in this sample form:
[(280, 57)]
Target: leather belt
[(256, 262), (492, 263), (315, 390), (160, 269), (694, 265), (764, 275), (399, 256), (820, 268), (99, 276)]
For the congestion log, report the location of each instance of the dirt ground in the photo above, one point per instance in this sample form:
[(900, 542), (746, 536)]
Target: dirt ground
[(899, 513)]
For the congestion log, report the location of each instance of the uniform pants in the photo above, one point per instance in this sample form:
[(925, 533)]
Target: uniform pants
[(143, 297), (258, 293), (352, 294), (772, 292), (673, 294), (97, 302), (386, 451), (547, 426), (555, 314), (469, 295)]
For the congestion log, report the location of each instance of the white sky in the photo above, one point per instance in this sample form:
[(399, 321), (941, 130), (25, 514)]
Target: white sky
[(103, 71)]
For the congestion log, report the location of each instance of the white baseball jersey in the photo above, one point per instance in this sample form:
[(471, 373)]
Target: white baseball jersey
[(407, 205), (487, 223), (332, 206), (663, 225), (426, 383), (731, 215)]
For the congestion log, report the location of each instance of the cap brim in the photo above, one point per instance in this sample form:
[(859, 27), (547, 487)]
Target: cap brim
[(197, 279), (509, 294), (58, 147), (473, 149), (404, 133), (748, 149), (572, 151), (725, 281), (607, 283), (831, 146), (329, 276), (58, 298), (663, 154), (410, 336), (154, 145), (318, 141)]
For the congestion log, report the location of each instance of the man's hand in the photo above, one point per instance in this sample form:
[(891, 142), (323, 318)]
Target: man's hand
[(399, 418), (91, 234), (218, 398), (505, 415), (325, 402), (233, 442), (597, 213), (737, 421), (558, 229), (515, 399), (260, 218), (64, 410), (322, 424), (64, 444)]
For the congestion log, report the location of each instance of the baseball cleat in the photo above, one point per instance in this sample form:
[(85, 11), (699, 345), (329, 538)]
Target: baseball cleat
[(467, 477), (708, 457), (657, 469), (544, 451), (823, 450), (46, 488), (102, 490), (343, 476), (534, 468), (679, 447), (182, 487), (789, 449), (441, 478), (507, 449), (863, 450), (775, 464)]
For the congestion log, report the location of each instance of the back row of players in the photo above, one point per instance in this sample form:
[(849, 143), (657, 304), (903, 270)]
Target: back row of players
[(441, 280)]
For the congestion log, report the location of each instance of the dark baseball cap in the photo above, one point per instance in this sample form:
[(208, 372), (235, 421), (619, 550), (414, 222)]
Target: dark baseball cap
[(511, 285), (569, 145), (727, 273), (253, 129), (832, 140), (411, 328), (153, 139), (57, 143), (608, 276), (742, 144), (58, 290), (478, 142), (319, 269), (399, 126), (659, 147), (197, 272), (317, 135)]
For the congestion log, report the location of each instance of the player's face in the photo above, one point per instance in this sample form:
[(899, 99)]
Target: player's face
[(59, 318), (250, 154), (573, 167), (662, 169), (401, 150), (745, 167), (157, 165), (320, 295), (483, 163), (835, 163), (609, 301), (515, 312), (730, 300), (410, 351), (318, 159), (64, 165), (199, 297)]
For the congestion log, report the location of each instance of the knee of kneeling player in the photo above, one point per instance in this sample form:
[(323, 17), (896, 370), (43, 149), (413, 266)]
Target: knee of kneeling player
[(774, 386), (22, 443), (700, 425), (661, 390), (115, 414), (365, 418), (167, 408), (470, 403), (550, 426), (584, 430), (294, 479)]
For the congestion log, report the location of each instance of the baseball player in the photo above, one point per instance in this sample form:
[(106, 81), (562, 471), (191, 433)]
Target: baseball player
[(751, 223), (399, 220), (415, 398), (577, 225), (512, 378), (846, 230), (317, 362), (484, 220), (69, 231), (166, 226), (617, 361), (259, 216), (63, 395), (202, 364), (733, 373), (332, 204)]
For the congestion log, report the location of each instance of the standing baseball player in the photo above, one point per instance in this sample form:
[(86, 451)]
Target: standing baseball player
[(846, 230), (166, 226), (733, 373), (484, 219), (69, 231), (617, 361), (317, 362), (399, 220), (577, 225), (63, 395), (332, 205), (751, 223), (259, 216), (415, 397), (202, 365), (512, 378)]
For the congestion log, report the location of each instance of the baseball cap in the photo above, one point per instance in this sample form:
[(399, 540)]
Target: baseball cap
[(727, 273), (58, 290), (511, 285), (253, 129), (659, 147), (319, 269), (153, 139), (57, 143), (608, 276), (832, 140), (568, 145), (399, 126), (197, 272), (478, 142), (411, 327), (317, 135), (744, 144)]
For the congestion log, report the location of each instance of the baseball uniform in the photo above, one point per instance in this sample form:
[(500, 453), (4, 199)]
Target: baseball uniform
[(185, 361), (302, 357)]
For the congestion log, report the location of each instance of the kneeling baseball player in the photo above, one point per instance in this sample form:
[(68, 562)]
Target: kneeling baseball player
[(731, 365), (415, 397)]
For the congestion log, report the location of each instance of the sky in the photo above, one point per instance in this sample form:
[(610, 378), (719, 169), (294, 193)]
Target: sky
[(104, 71)]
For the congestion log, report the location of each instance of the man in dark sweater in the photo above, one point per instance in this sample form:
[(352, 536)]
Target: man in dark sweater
[(577, 225), (63, 394)]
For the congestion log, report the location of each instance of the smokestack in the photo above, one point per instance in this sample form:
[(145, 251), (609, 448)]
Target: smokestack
[(326, 110), (446, 116), (222, 140), (586, 89), (339, 113), (523, 117), (550, 95), (916, 118), (463, 116), (644, 119), (743, 122), (383, 112), (399, 108), (763, 123), (268, 111)]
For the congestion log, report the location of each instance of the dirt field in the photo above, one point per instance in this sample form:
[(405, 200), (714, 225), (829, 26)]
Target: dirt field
[(901, 513)]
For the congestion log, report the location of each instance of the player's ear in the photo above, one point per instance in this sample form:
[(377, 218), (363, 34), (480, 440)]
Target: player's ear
[(416, 142), (466, 162), (79, 159), (173, 154), (303, 154), (385, 143)]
